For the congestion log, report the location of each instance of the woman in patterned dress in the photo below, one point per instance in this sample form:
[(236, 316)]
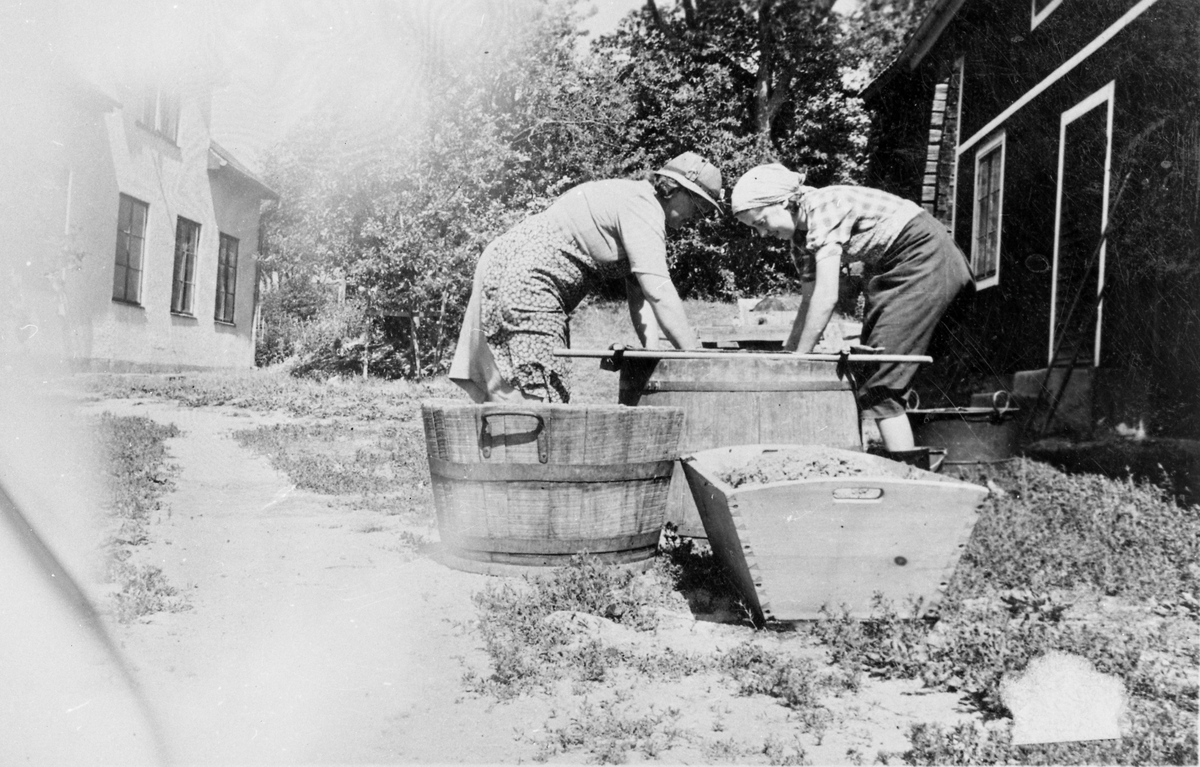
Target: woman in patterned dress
[(531, 278), (915, 270)]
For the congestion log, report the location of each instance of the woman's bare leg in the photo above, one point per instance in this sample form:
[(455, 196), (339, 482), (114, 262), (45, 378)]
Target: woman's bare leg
[(896, 432)]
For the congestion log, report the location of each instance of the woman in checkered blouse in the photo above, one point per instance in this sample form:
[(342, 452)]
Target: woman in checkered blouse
[(914, 268)]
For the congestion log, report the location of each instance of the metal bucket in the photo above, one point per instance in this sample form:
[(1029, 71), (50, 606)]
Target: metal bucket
[(970, 435)]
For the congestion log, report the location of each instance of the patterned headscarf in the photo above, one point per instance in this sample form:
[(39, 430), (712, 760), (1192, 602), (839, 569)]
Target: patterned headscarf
[(766, 185)]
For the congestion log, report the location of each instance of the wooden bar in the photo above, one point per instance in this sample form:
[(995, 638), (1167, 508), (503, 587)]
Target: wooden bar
[(691, 354)]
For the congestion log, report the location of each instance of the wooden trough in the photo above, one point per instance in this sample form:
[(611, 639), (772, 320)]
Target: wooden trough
[(532, 485), (797, 546)]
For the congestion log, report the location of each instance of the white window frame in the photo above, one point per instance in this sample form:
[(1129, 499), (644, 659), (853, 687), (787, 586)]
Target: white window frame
[(1036, 16), (1105, 94), (996, 144)]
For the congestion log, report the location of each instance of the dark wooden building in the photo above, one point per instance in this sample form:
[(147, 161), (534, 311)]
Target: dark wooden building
[(1060, 141)]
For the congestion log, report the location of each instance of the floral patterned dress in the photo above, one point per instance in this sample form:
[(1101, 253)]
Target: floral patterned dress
[(530, 279), (533, 278)]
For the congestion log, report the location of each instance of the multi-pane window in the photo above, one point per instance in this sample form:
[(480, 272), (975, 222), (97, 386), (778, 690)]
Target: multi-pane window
[(160, 112), (227, 258), (183, 284), (131, 242), (989, 204)]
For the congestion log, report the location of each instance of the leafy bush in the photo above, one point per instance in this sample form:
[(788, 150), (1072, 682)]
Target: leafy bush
[(885, 644), (972, 649), (965, 743)]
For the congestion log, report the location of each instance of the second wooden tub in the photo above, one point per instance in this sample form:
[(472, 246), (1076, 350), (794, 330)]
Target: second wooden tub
[(741, 401)]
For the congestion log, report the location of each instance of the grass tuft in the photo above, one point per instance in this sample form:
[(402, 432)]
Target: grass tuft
[(382, 467), (798, 683), (528, 648), (274, 390), (608, 731), (137, 475), (144, 590)]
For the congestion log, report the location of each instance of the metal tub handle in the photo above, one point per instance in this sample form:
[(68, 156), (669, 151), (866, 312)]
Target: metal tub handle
[(486, 439)]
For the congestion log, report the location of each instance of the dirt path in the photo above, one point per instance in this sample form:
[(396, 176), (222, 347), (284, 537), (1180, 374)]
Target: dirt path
[(314, 638), (308, 639)]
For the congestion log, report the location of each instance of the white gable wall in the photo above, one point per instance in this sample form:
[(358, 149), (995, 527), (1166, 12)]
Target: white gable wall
[(173, 179)]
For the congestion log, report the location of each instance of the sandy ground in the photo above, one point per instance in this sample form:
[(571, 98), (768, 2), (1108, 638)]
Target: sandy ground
[(314, 637)]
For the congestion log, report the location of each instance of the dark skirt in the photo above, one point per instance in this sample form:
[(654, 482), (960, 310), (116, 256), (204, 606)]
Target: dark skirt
[(916, 280)]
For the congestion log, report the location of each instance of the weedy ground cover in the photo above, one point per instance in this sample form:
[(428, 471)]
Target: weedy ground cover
[(528, 648), (137, 474), (1100, 568), (276, 390), (609, 730)]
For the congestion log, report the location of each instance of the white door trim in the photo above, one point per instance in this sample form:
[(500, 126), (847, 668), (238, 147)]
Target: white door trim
[(1105, 94)]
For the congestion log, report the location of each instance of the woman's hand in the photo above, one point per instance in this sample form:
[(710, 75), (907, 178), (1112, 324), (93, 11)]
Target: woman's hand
[(824, 298)]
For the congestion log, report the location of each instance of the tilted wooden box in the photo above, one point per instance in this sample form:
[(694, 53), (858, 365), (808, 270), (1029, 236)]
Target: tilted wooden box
[(797, 546)]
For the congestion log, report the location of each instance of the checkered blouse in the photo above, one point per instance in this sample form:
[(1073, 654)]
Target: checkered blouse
[(863, 221)]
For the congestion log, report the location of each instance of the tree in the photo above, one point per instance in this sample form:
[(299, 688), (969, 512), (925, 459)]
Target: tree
[(401, 224), (743, 83), (508, 124), (876, 31)]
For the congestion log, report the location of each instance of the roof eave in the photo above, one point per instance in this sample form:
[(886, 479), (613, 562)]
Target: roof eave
[(220, 159), (939, 16)]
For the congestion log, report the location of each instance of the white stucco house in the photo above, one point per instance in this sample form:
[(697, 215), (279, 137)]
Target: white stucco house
[(132, 236)]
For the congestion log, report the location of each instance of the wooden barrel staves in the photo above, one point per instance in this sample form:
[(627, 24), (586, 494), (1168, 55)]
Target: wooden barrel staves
[(741, 401), (531, 485)]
